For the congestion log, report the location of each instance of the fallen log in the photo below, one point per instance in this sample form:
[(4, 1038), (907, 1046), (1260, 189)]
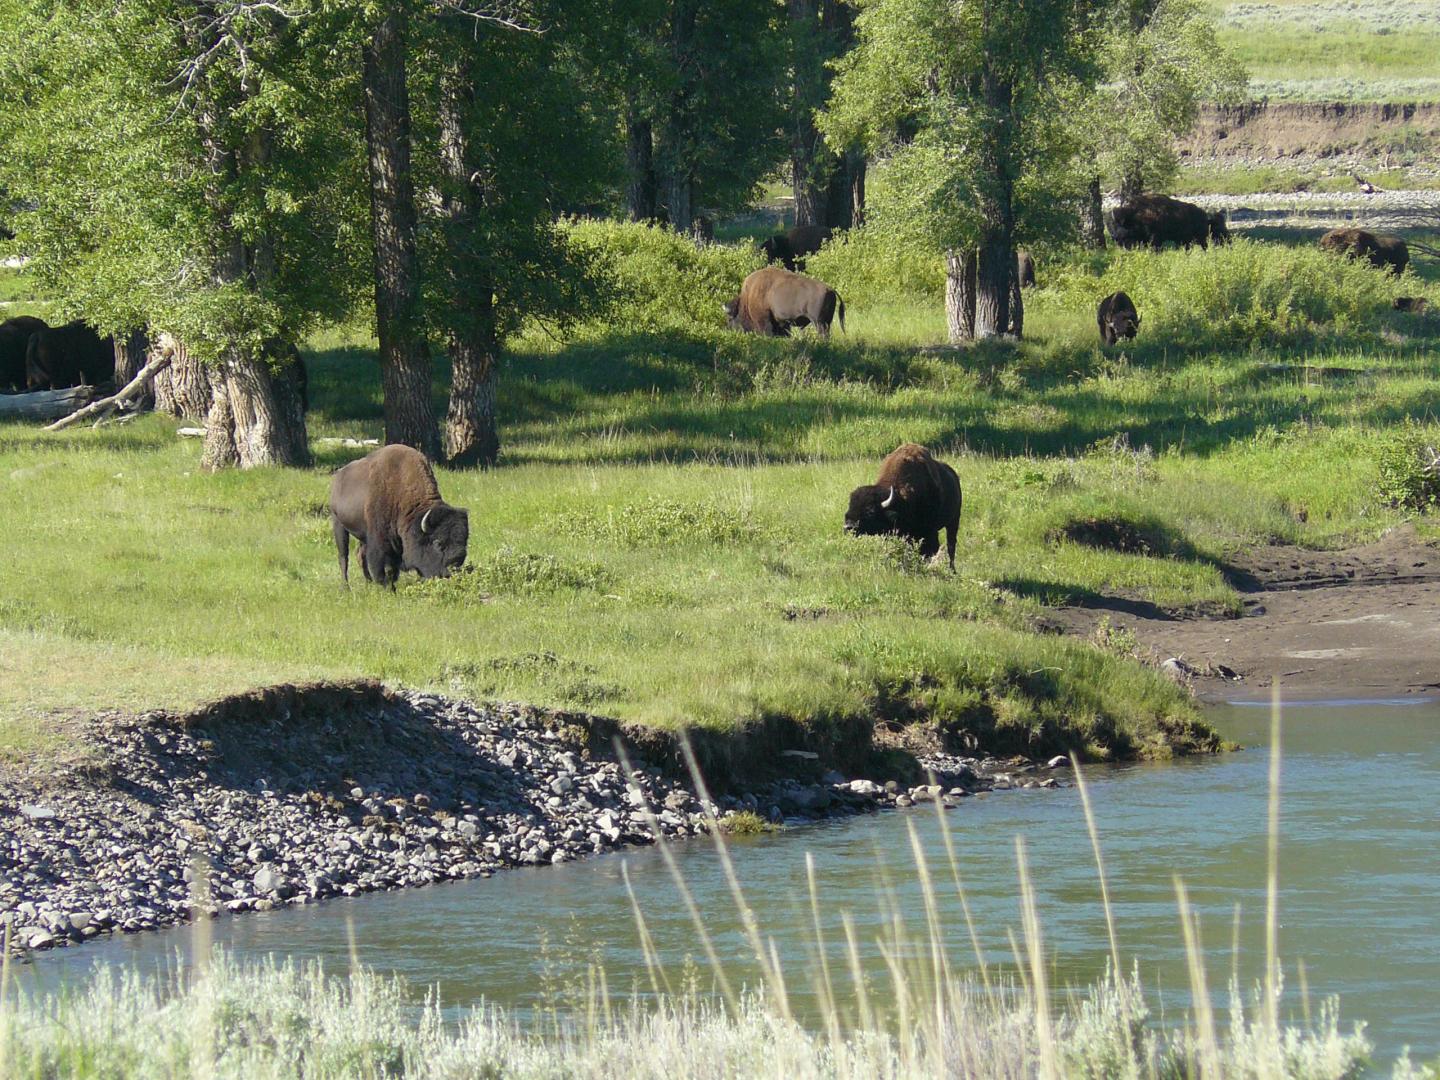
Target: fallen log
[(44, 404), (131, 389)]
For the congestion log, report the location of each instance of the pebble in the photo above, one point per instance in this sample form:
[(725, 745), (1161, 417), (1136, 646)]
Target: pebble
[(402, 791)]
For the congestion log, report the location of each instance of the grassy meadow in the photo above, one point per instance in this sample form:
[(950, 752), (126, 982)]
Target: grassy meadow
[(663, 541), (1334, 50)]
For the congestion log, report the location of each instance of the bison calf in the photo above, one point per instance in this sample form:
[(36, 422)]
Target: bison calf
[(1117, 318), (389, 501), (915, 497), (773, 301)]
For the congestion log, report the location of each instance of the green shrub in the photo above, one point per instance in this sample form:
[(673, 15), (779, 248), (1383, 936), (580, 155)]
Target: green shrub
[(510, 571), (1245, 291), (1409, 469), (664, 521), (867, 267), (662, 280)]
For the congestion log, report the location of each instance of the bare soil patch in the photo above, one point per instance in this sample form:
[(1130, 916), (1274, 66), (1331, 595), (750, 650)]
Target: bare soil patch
[(1363, 622)]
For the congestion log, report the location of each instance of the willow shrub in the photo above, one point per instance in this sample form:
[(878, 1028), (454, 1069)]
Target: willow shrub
[(1247, 291), (662, 280)]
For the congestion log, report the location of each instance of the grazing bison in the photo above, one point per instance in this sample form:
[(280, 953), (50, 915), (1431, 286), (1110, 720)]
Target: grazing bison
[(915, 497), (790, 248), (389, 501), (1117, 318), (69, 355), (1025, 267), (1416, 305), (772, 301), (1219, 228), (1157, 220), (1381, 251), (15, 335)]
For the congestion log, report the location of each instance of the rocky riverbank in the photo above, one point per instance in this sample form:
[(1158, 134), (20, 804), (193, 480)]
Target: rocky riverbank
[(300, 795)]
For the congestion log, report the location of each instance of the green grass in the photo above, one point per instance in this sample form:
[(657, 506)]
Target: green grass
[(663, 543)]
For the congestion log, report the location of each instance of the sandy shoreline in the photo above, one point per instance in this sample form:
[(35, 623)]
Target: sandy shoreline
[(1359, 624)]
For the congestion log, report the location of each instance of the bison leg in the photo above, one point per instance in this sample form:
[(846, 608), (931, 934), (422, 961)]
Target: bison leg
[(376, 563), (342, 548), (360, 554), (929, 545)]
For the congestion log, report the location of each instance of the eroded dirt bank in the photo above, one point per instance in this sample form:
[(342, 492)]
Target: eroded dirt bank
[(1360, 623), (289, 795)]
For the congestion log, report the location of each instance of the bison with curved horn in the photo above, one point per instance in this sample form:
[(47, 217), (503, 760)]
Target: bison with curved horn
[(915, 496), (390, 503)]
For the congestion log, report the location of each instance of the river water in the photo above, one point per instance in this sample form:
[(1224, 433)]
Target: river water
[(1359, 895)]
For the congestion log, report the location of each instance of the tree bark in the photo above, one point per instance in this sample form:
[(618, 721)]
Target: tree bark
[(640, 162), (471, 434), (809, 175), (960, 270), (678, 156), (405, 365), (182, 390), (255, 417), (992, 284), (1092, 218), (1015, 322), (997, 239), (130, 350)]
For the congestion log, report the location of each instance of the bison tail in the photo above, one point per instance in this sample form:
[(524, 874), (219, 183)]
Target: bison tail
[(840, 308)]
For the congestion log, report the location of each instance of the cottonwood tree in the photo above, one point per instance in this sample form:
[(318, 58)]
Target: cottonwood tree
[(977, 90), (512, 136), (178, 173), (1162, 60), (704, 91), (829, 187)]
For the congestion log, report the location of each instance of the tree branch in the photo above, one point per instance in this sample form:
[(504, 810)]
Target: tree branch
[(130, 390)]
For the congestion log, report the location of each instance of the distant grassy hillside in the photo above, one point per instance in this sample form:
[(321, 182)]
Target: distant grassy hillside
[(1336, 50)]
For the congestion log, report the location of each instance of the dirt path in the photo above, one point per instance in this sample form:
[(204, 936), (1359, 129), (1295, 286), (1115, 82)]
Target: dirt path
[(1361, 623)]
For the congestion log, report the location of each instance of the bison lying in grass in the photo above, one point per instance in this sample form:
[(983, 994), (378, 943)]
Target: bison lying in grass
[(915, 497), (773, 301), (389, 501), (1381, 251)]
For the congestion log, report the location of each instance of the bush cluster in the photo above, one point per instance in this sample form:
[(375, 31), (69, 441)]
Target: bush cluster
[(664, 521), (662, 280), (1246, 291), (867, 267), (1409, 469)]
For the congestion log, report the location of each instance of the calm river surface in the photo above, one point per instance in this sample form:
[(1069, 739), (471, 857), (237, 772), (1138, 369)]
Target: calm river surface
[(1359, 903)]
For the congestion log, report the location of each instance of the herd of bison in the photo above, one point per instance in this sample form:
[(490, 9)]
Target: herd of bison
[(389, 500), (772, 301)]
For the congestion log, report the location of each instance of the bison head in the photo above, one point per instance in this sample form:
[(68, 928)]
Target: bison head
[(1123, 323), (732, 313), (873, 511), (777, 249), (435, 543), (1219, 230)]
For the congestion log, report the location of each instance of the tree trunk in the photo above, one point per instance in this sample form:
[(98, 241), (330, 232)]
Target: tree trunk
[(677, 164), (992, 284), (640, 163), (809, 160), (1015, 324), (471, 434), (1092, 218), (131, 351), (1132, 184), (997, 239), (255, 415), (405, 367), (845, 204), (960, 267), (182, 390)]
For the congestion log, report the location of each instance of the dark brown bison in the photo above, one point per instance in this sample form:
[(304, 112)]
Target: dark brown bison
[(1156, 220), (1381, 251), (1117, 318), (915, 497), (69, 355), (15, 336), (773, 301), (790, 248), (1025, 267), (389, 501), (1416, 305)]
